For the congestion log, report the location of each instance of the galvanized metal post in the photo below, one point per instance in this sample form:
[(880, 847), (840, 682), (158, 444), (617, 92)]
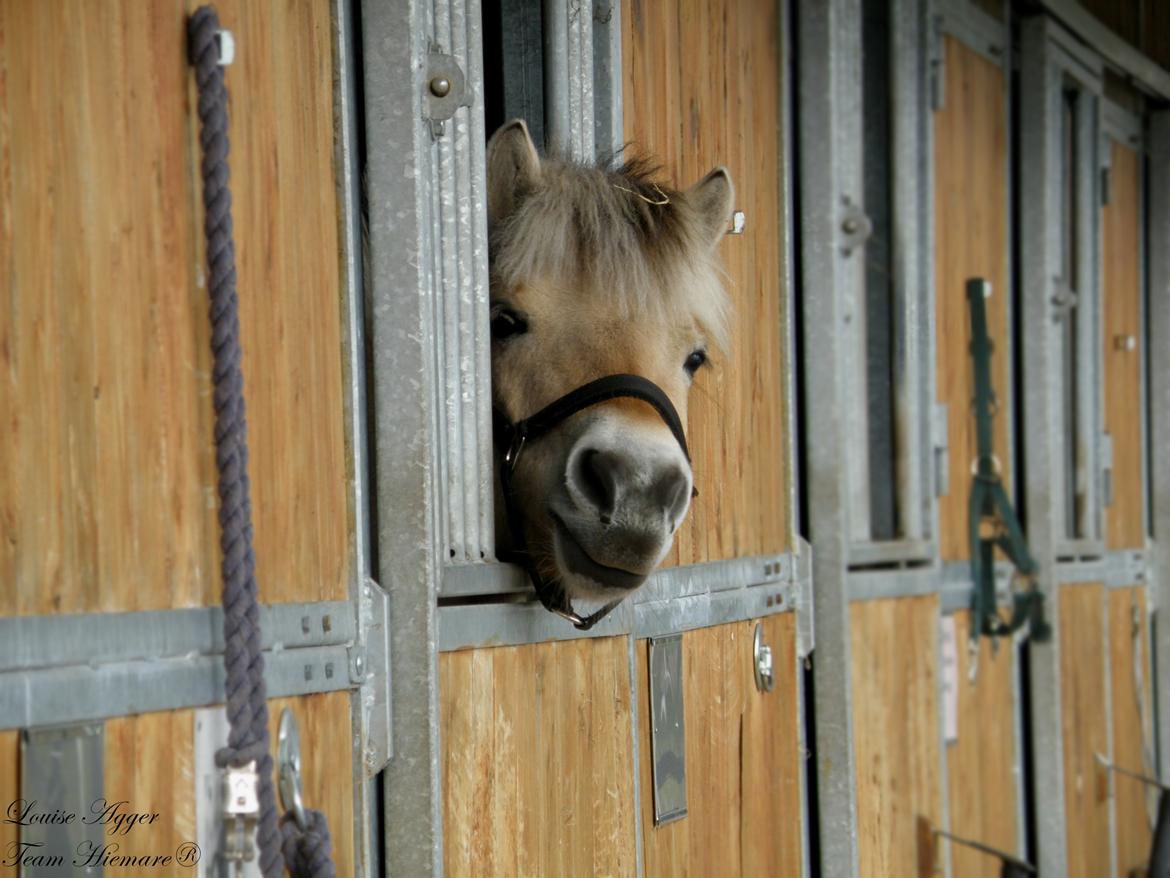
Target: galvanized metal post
[(1040, 246), (1158, 237), (403, 379), (830, 173)]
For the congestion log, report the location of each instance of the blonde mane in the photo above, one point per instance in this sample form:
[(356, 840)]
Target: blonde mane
[(616, 232)]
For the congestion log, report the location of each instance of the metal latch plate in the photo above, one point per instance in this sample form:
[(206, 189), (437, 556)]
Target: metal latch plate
[(667, 729)]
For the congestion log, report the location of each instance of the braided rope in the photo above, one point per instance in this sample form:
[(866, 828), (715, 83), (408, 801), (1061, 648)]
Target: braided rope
[(308, 852), (247, 701)]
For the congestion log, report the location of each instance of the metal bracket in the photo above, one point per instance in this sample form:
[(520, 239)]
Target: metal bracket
[(445, 89), (1106, 469), (369, 668), (856, 226), (940, 440), (668, 729), (1064, 299), (61, 773), (802, 585), (738, 223)]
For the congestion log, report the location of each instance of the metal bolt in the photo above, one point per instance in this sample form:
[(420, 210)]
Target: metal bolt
[(850, 225), (440, 86), (359, 664)]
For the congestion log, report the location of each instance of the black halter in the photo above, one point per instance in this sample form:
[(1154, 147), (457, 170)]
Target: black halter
[(513, 436)]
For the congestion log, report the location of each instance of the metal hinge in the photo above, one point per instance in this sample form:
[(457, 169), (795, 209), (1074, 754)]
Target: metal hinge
[(856, 226), (937, 56), (940, 441), (369, 669), (444, 89), (1107, 469)]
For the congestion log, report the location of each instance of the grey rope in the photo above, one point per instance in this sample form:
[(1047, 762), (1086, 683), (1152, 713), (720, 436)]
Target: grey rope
[(247, 698), (308, 851)]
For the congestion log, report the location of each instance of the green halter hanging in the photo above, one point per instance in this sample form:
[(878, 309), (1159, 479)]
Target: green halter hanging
[(992, 521)]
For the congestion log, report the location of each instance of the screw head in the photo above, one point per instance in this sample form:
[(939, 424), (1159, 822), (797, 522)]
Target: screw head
[(440, 86)]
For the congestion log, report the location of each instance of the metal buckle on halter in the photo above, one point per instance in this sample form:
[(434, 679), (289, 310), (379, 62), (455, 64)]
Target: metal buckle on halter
[(519, 437), (241, 811)]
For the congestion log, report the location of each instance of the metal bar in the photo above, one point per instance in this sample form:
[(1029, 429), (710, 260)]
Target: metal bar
[(400, 177), (910, 151), (1158, 267), (608, 124), (887, 552), (369, 710), (58, 694), (830, 170), (470, 626), (635, 753), (1040, 91), (1117, 52), (465, 580), (93, 639), (557, 121)]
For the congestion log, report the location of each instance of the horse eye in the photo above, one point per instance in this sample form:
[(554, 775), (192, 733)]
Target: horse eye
[(506, 323), (695, 361)]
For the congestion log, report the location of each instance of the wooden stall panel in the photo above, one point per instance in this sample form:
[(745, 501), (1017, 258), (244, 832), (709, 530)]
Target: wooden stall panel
[(9, 789), (538, 768), (702, 83), (982, 777), (1121, 231), (743, 758), (107, 497), (970, 204), (1133, 718), (1084, 727), (895, 729)]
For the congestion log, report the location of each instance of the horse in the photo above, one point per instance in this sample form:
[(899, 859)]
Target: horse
[(597, 269)]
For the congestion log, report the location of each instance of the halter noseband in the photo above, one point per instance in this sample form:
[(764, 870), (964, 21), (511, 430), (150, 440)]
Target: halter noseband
[(512, 436)]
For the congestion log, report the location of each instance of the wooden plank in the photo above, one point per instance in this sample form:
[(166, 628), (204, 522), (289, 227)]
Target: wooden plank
[(742, 757), (150, 766), (9, 789), (106, 464), (971, 180), (1133, 733), (1121, 232), (896, 732), (538, 760), (1084, 727), (982, 777), (702, 87)]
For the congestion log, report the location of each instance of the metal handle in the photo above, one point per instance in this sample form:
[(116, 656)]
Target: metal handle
[(765, 676)]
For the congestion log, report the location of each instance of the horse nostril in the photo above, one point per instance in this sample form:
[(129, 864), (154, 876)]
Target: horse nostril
[(596, 475), (671, 492)]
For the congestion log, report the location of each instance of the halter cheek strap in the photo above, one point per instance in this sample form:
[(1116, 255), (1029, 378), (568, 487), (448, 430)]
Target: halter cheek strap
[(513, 436)]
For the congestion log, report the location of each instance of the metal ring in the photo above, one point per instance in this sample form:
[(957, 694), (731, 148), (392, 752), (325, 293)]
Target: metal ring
[(288, 751)]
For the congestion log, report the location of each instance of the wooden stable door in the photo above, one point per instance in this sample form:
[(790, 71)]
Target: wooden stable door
[(107, 476)]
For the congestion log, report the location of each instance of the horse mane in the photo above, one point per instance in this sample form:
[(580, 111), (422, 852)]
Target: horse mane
[(614, 230)]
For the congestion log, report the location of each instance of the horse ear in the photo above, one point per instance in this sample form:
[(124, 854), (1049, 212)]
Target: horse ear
[(512, 167), (713, 198)]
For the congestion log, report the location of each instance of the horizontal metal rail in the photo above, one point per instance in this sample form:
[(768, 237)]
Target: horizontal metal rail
[(675, 599), (74, 668)]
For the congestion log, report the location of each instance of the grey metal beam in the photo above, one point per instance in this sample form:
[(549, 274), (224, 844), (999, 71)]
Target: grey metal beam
[(1040, 91), (1149, 75), (1158, 233), (400, 292), (829, 90)]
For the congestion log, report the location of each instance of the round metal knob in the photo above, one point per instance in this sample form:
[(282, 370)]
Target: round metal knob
[(440, 86)]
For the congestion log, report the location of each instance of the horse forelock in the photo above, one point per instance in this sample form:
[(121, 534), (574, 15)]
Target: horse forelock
[(615, 232)]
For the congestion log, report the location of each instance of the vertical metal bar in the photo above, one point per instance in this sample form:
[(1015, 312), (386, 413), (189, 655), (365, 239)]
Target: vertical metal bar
[(635, 751), (1107, 677), (1158, 233), (1040, 93), (1088, 285), (913, 311), (558, 137), (399, 177), (830, 170), (356, 403), (608, 130)]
